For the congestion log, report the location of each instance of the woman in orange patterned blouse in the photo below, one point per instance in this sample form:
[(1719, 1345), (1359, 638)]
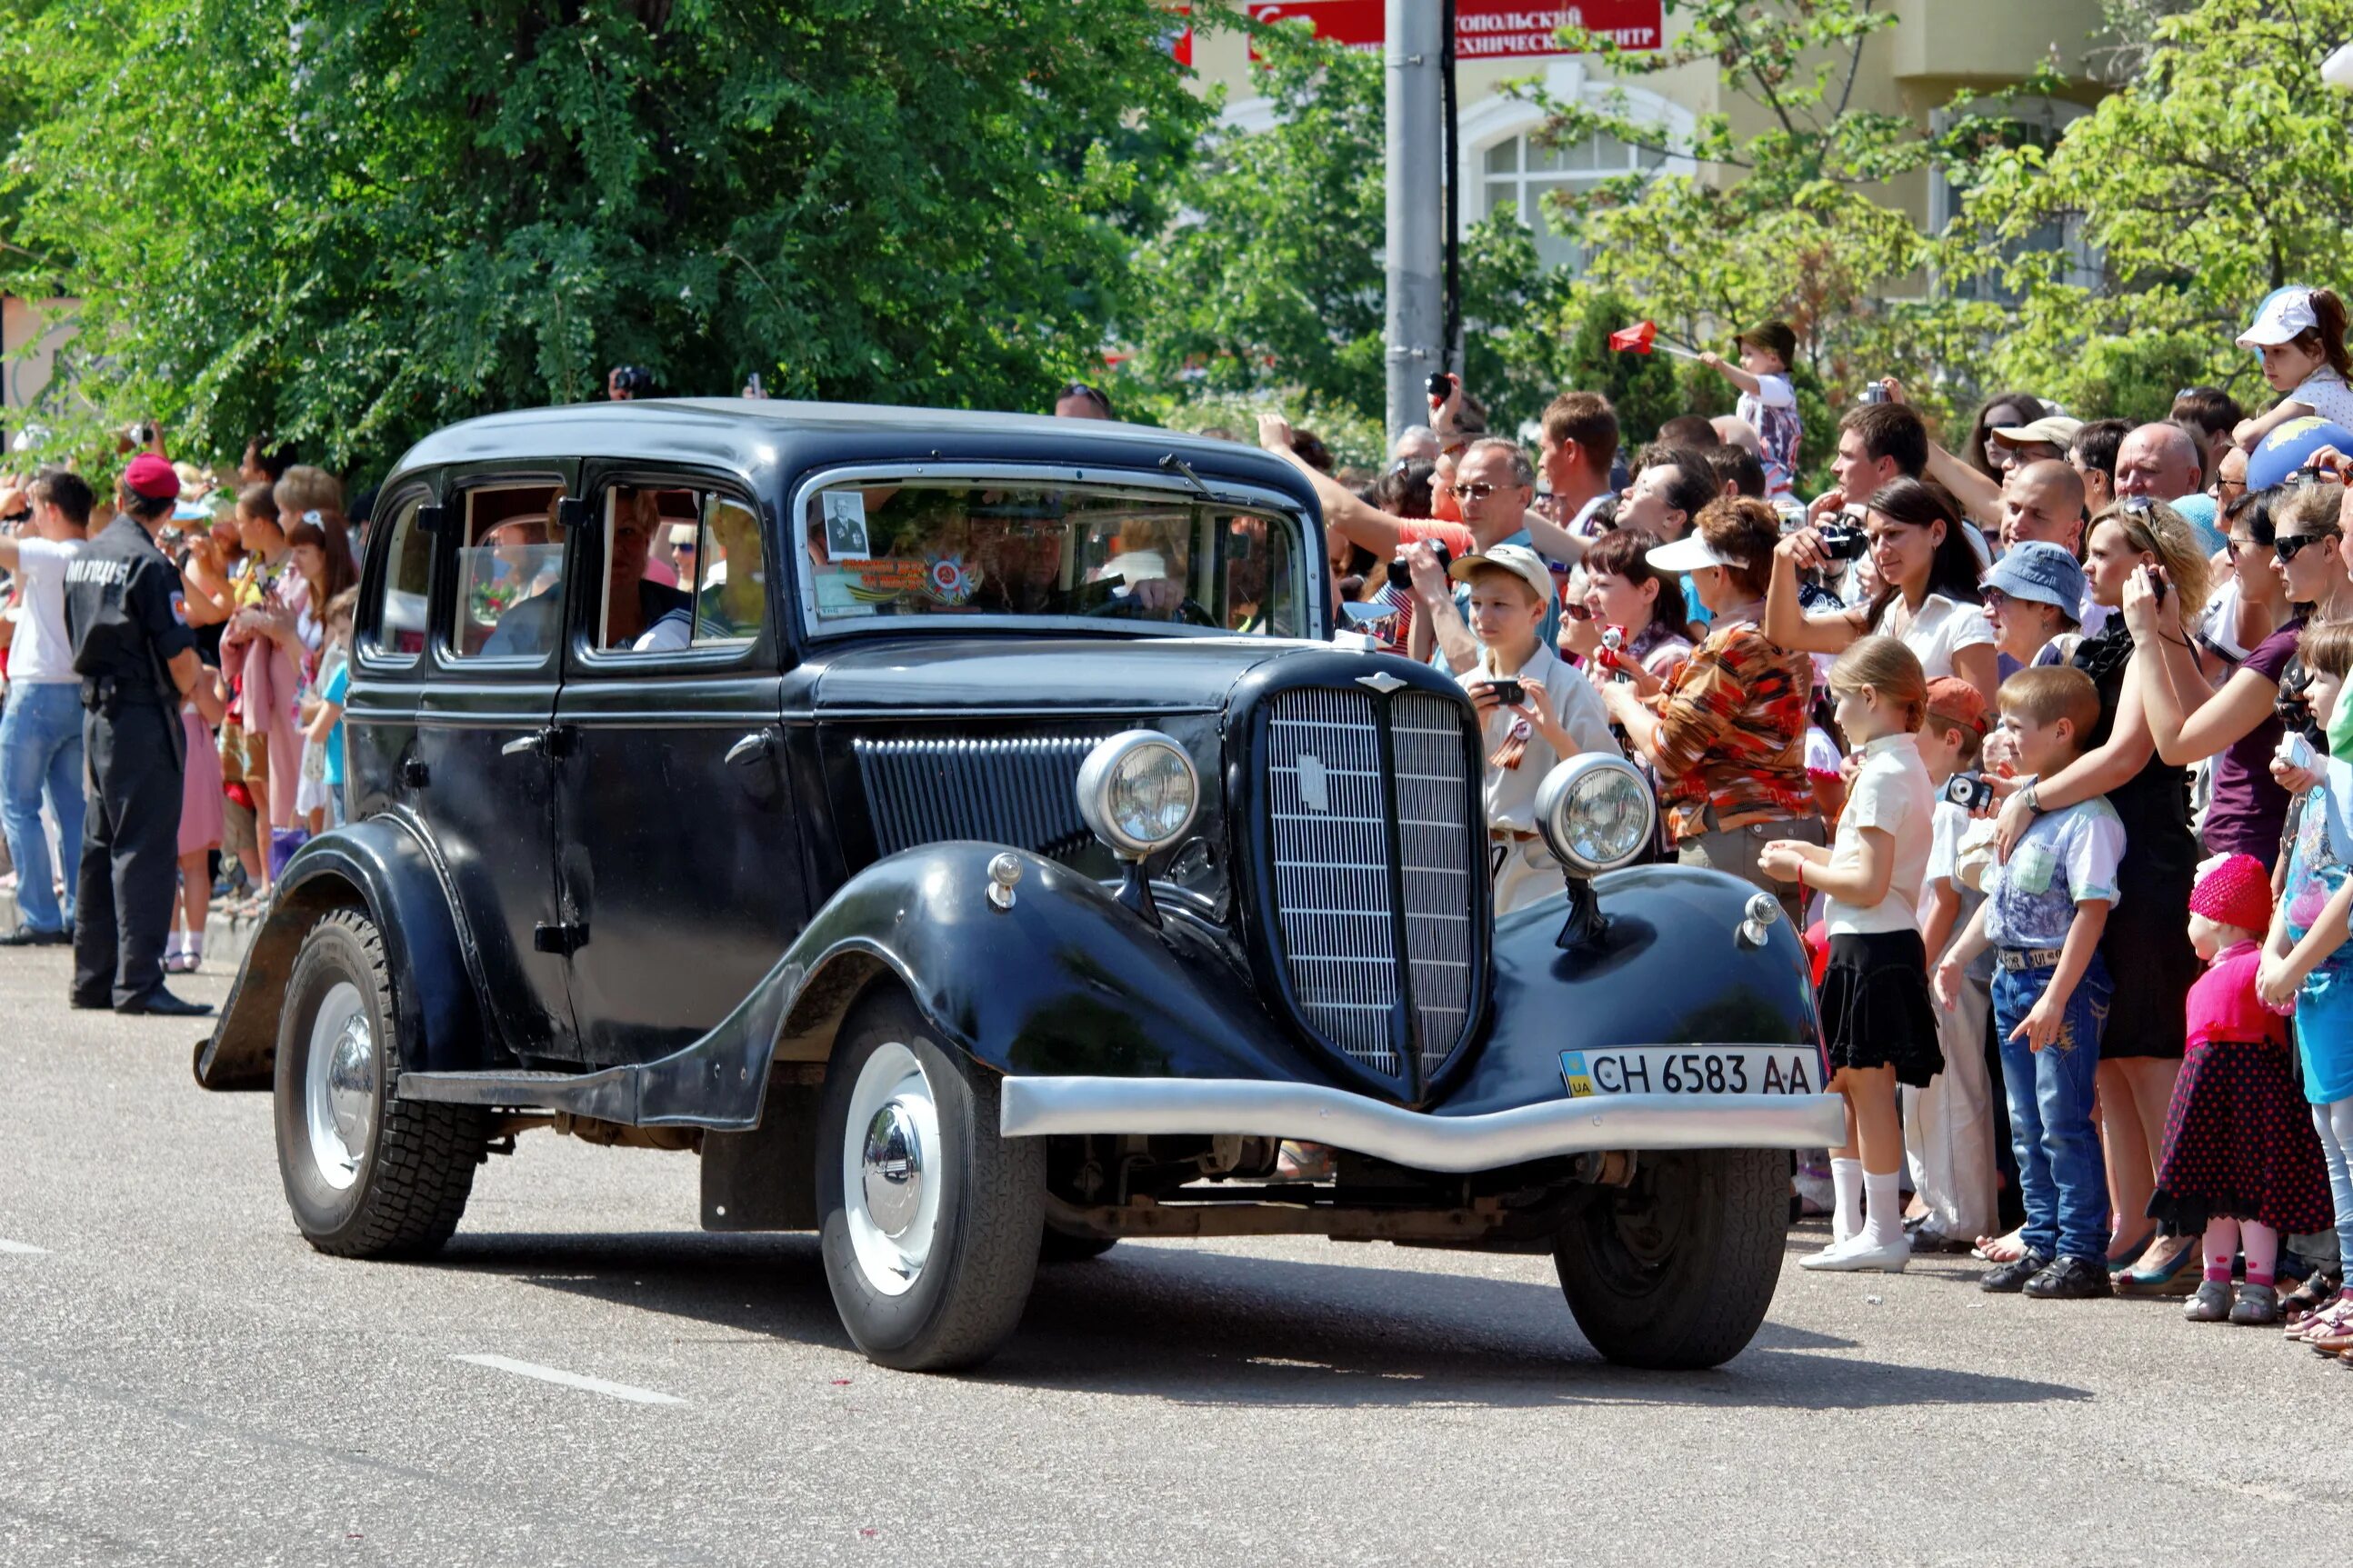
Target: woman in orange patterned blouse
[(1728, 735)]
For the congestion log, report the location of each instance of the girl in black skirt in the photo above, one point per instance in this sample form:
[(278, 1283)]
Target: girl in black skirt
[(1877, 1017)]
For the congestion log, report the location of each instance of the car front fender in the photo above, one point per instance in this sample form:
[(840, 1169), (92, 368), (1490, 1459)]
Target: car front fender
[(381, 865)]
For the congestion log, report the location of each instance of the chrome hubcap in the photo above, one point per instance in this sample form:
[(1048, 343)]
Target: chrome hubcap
[(894, 1170), (339, 1085), (889, 1196)]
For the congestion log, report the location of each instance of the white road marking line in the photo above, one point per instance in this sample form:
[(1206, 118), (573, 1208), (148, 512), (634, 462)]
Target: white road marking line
[(24, 1247), (572, 1380)]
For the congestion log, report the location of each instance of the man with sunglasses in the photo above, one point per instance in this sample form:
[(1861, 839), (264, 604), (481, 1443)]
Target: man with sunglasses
[(41, 731), (1080, 401)]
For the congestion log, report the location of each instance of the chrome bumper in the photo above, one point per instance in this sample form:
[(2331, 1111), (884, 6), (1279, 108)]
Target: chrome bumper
[(1042, 1107)]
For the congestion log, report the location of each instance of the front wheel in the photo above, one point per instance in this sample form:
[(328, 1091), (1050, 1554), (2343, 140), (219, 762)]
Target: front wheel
[(367, 1174), (1675, 1269), (931, 1218)]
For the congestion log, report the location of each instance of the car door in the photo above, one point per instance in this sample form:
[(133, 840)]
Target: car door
[(679, 853), (488, 743)]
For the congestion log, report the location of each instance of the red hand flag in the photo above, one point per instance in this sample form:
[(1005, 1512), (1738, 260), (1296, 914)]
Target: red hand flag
[(1635, 338)]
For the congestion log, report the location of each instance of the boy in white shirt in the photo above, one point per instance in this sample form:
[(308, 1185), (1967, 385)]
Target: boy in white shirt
[(1768, 401), (1557, 715)]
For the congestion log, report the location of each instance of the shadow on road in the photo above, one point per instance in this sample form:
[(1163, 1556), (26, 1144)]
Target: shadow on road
[(1209, 1328)]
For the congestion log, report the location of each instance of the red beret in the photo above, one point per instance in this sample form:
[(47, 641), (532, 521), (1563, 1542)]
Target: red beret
[(152, 477), (2236, 892)]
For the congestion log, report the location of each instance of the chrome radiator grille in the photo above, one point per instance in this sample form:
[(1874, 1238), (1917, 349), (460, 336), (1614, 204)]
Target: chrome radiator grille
[(1021, 790), (1338, 870)]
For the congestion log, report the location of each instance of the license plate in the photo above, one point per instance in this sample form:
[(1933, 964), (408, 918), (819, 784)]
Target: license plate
[(1692, 1069)]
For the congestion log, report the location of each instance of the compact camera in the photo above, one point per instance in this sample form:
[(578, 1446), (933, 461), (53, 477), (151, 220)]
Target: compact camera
[(1843, 539), (1971, 792), (1613, 638)]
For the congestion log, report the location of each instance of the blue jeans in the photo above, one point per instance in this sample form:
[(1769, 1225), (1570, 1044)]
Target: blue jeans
[(2335, 1124), (2061, 1177), (40, 749)]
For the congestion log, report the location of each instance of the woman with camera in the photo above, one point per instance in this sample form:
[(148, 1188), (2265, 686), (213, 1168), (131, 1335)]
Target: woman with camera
[(2140, 549), (1624, 591), (1728, 733), (1928, 594)]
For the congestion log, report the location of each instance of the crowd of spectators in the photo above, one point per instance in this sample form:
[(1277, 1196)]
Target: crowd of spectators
[(2036, 737)]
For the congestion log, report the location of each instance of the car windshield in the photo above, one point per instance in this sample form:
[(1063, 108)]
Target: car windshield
[(1049, 553)]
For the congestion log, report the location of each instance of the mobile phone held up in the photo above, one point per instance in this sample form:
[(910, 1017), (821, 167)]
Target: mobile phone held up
[(1971, 792), (1510, 693), (1441, 385)]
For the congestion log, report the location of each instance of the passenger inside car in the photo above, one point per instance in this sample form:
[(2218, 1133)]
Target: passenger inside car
[(640, 615)]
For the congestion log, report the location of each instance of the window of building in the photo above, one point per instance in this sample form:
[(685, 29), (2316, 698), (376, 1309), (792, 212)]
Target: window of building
[(2030, 121), (1520, 172)]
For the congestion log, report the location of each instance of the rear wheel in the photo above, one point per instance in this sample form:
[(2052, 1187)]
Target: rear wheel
[(931, 1218), (1676, 1270), (366, 1175)]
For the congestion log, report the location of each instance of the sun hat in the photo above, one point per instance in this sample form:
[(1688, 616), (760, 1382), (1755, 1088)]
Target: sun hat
[(1517, 559), (1688, 553), (2286, 315), (2236, 892), (2039, 569), (2051, 430), (152, 479), (1956, 702)]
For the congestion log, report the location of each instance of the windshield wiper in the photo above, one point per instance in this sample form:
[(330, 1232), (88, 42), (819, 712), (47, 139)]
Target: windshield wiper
[(1172, 464)]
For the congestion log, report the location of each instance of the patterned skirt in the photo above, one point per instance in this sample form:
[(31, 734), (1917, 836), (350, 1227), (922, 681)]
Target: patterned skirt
[(1875, 1008), (2239, 1144)]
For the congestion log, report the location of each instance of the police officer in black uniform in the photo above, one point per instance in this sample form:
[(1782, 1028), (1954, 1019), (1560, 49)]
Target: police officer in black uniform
[(137, 661)]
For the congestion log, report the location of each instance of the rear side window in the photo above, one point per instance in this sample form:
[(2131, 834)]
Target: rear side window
[(510, 574), (398, 620)]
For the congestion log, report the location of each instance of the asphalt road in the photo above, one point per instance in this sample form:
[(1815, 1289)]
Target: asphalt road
[(182, 1380)]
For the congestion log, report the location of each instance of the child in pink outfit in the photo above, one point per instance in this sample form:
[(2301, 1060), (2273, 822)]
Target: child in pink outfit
[(2241, 1161)]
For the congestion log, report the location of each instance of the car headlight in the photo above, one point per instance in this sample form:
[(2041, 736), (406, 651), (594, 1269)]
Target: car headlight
[(1138, 791), (1595, 811)]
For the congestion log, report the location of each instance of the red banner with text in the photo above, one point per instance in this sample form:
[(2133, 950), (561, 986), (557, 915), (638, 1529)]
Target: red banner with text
[(1484, 29)]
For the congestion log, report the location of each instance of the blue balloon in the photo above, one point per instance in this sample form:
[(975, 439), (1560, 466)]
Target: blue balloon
[(2280, 454)]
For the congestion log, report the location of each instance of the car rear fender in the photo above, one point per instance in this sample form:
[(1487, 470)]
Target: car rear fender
[(382, 867)]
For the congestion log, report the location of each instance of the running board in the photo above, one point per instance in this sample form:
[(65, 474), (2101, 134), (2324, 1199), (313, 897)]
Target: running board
[(608, 1094)]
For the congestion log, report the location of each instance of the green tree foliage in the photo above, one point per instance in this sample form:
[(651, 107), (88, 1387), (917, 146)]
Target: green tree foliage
[(348, 221), (2217, 171), (1795, 222)]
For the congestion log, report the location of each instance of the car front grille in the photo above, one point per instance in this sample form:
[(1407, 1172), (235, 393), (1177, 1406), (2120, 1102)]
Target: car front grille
[(1373, 810), (1021, 790)]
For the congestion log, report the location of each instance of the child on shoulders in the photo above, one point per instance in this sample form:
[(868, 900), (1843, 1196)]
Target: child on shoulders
[(1768, 401)]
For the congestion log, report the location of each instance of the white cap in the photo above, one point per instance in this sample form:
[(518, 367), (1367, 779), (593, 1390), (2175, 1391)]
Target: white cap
[(2285, 316), (1688, 553), (1517, 559)]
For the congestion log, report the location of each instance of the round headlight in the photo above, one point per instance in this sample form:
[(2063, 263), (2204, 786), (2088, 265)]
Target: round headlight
[(1138, 792), (1595, 811)]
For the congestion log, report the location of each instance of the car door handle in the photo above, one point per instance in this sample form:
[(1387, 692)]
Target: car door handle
[(757, 746), (556, 741), (518, 746)]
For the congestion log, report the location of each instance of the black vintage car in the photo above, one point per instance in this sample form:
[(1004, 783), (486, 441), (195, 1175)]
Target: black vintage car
[(962, 832)]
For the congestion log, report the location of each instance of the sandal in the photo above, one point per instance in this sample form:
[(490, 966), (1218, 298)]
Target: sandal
[(2316, 1291), (2120, 1261), (2174, 1277)]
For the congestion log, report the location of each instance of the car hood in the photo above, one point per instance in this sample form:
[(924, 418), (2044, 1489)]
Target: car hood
[(1034, 674)]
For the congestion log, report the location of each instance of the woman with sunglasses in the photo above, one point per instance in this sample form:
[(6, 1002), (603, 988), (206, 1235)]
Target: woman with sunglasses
[(2237, 724), (2145, 944), (1622, 588), (1928, 597)]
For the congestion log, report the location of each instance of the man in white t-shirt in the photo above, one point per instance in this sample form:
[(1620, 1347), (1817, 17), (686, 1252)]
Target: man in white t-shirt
[(41, 731)]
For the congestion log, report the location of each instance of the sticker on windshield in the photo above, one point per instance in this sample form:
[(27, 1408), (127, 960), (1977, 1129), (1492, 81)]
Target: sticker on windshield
[(951, 582), (845, 525)]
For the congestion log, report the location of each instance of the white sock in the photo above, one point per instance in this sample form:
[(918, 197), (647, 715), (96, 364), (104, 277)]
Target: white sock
[(1846, 1202), (175, 944), (1882, 1207)]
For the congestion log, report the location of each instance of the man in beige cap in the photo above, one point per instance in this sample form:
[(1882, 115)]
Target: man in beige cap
[(1534, 710)]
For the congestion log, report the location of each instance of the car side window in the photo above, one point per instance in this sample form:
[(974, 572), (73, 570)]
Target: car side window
[(510, 574), (395, 621), (684, 571)]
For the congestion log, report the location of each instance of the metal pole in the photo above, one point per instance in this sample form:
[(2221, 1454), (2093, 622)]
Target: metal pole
[(1450, 169), (1416, 320)]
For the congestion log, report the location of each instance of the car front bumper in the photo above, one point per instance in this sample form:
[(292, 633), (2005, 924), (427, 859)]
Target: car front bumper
[(1043, 1107)]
